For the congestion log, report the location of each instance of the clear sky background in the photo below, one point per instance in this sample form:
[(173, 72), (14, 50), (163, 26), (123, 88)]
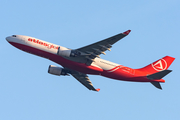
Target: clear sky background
[(28, 92)]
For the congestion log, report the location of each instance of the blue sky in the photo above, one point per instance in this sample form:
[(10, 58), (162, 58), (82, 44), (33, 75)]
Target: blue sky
[(28, 92)]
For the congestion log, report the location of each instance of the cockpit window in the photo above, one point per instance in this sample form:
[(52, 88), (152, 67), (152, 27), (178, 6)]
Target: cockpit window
[(14, 35)]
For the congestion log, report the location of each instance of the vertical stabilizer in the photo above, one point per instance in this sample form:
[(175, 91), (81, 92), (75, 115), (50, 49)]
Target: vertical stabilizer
[(157, 70), (159, 65)]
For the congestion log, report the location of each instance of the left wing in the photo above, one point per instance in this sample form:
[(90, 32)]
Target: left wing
[(83, 79)]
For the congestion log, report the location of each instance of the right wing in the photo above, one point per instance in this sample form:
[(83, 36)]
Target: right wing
[(94, 50), (88, 53), (83, 79)]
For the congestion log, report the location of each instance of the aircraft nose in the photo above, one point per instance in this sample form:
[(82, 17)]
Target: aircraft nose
[(8, 38)]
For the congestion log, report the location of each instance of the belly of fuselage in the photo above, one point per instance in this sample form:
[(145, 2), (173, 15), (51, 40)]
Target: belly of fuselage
[(124, 73)]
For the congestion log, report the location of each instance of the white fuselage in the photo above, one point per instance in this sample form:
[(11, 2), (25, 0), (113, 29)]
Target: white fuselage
[(53, 49), (97, 67)]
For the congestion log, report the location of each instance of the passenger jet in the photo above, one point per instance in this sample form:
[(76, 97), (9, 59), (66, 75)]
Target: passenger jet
[(86, 60)]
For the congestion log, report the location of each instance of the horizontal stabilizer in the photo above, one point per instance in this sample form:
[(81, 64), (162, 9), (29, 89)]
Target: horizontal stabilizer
[(157, 85), (158, 75)]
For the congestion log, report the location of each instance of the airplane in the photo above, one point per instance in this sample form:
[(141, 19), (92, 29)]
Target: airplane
[(86, 60)]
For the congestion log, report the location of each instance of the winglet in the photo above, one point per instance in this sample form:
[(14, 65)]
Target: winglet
[(98, 90), (126, 32)]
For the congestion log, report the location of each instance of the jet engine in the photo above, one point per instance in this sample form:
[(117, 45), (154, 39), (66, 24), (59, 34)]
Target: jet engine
[(62, 51), (57, 70)]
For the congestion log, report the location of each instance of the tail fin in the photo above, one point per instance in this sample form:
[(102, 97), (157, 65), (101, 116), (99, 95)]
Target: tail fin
[(159, 65), (158, 70)]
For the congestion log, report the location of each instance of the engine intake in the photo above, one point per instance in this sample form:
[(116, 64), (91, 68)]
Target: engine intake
[(62, 51), (56, 70)]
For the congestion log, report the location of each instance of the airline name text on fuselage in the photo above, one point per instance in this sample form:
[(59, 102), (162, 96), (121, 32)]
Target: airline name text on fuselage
[(43, 43)]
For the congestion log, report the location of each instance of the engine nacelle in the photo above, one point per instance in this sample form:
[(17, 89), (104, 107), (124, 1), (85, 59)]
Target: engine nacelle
[(56, 70), (62, 51)]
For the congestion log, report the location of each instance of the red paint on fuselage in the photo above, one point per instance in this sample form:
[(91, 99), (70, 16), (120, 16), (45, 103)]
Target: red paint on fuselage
[(128, 74), (60, 60), (122, 73)]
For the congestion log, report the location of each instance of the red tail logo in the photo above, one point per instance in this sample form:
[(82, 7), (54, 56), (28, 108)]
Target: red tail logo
[(160, 65)]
